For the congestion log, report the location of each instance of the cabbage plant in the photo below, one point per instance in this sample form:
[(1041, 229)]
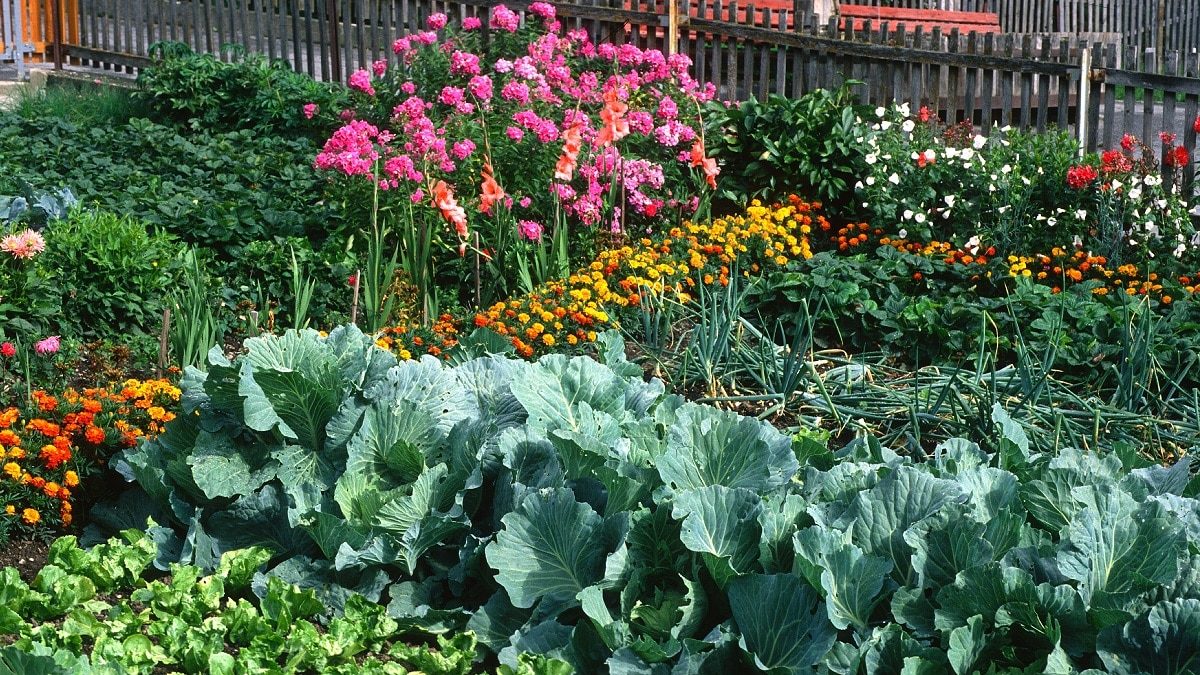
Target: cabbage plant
[(571, 508)]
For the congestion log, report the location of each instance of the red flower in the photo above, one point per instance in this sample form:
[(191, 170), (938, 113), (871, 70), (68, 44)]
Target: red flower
[(923, 114), (1079, 177), (1196, 124), (1128, 141), (1177, 157), (8, 349), (352, 279)]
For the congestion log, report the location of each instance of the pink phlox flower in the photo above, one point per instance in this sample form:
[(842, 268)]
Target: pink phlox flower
[(505, 19), (436, 21), (310, 109), (464, 63), (361, 80), (463, 148), (530, 230)]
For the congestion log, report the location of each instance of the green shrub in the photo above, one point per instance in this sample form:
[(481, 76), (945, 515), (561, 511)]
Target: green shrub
[(114, 274), (571, 508), (219, 190), (250, 92), (810, 146), (263, 274)]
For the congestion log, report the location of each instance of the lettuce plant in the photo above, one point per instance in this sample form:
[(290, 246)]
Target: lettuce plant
[(572, 509)]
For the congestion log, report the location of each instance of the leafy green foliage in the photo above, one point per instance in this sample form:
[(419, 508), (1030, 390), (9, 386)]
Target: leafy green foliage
[(247, 92), (113, 272), (194, 622), (572, 510), (220, 190), (768, 149)]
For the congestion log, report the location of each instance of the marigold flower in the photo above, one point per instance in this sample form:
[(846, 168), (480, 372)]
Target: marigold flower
[(70, 479), (31, 516)]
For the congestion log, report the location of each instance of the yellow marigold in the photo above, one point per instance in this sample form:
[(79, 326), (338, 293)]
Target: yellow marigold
[(70, 479), (10, 510), (13, 470), (31, 516)]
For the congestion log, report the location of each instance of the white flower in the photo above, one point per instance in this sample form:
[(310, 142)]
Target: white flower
[(1006, 169), (1025, 180), (871, 158), (1006, 128), (885, 125), (880, 111), (908, 214), (1077, 242), (1081, 214), (967, 154), (1135, 194), (979, 142), (903, 233), (920, 217), (972, 245), (914, 155), (858, 185), (949, 199), (1052, 222), (1004, 209), (950, 152), (870, 180), (1154, 181), (905, 110), (1117, 184), (1040, 171), (1162, 203), (1151, 229), (1180, 250), (894, 179), (908, 126)]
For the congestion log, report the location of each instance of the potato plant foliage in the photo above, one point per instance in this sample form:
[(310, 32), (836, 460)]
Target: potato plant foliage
[(572, 509)]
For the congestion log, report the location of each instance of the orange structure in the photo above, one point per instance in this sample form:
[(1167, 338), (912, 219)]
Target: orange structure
[(37, 22)]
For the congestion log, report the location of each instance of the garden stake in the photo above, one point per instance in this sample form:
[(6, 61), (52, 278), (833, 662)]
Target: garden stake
[(354, 299), (162, 341)]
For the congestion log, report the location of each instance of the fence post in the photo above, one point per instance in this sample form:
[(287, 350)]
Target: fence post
[(335, 47), (1085, 88), (672, 27), (56, 9)]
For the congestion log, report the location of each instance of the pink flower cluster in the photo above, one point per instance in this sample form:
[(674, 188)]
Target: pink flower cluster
[(24, 245), (622, 123)]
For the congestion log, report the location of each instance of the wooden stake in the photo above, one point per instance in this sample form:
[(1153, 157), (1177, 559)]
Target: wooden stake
[(162, 342), (354, 302)]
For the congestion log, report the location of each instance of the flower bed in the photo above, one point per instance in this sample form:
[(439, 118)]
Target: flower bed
[(54, 444)]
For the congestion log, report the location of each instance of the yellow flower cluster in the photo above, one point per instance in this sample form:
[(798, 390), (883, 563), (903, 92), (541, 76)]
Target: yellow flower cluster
[(570, 311)]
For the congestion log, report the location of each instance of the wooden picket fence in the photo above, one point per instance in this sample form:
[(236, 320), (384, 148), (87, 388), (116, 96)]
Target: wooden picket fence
[(1095, 90)]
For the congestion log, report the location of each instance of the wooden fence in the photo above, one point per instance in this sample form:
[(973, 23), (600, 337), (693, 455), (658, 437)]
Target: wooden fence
[(37, 25), (1161, 25), (1032, 82)]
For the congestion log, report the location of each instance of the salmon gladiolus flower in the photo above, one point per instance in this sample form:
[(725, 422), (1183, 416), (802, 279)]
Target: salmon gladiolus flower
[(572, 143), (443, 198), (491, 191), (707, 164), (615, 125)]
